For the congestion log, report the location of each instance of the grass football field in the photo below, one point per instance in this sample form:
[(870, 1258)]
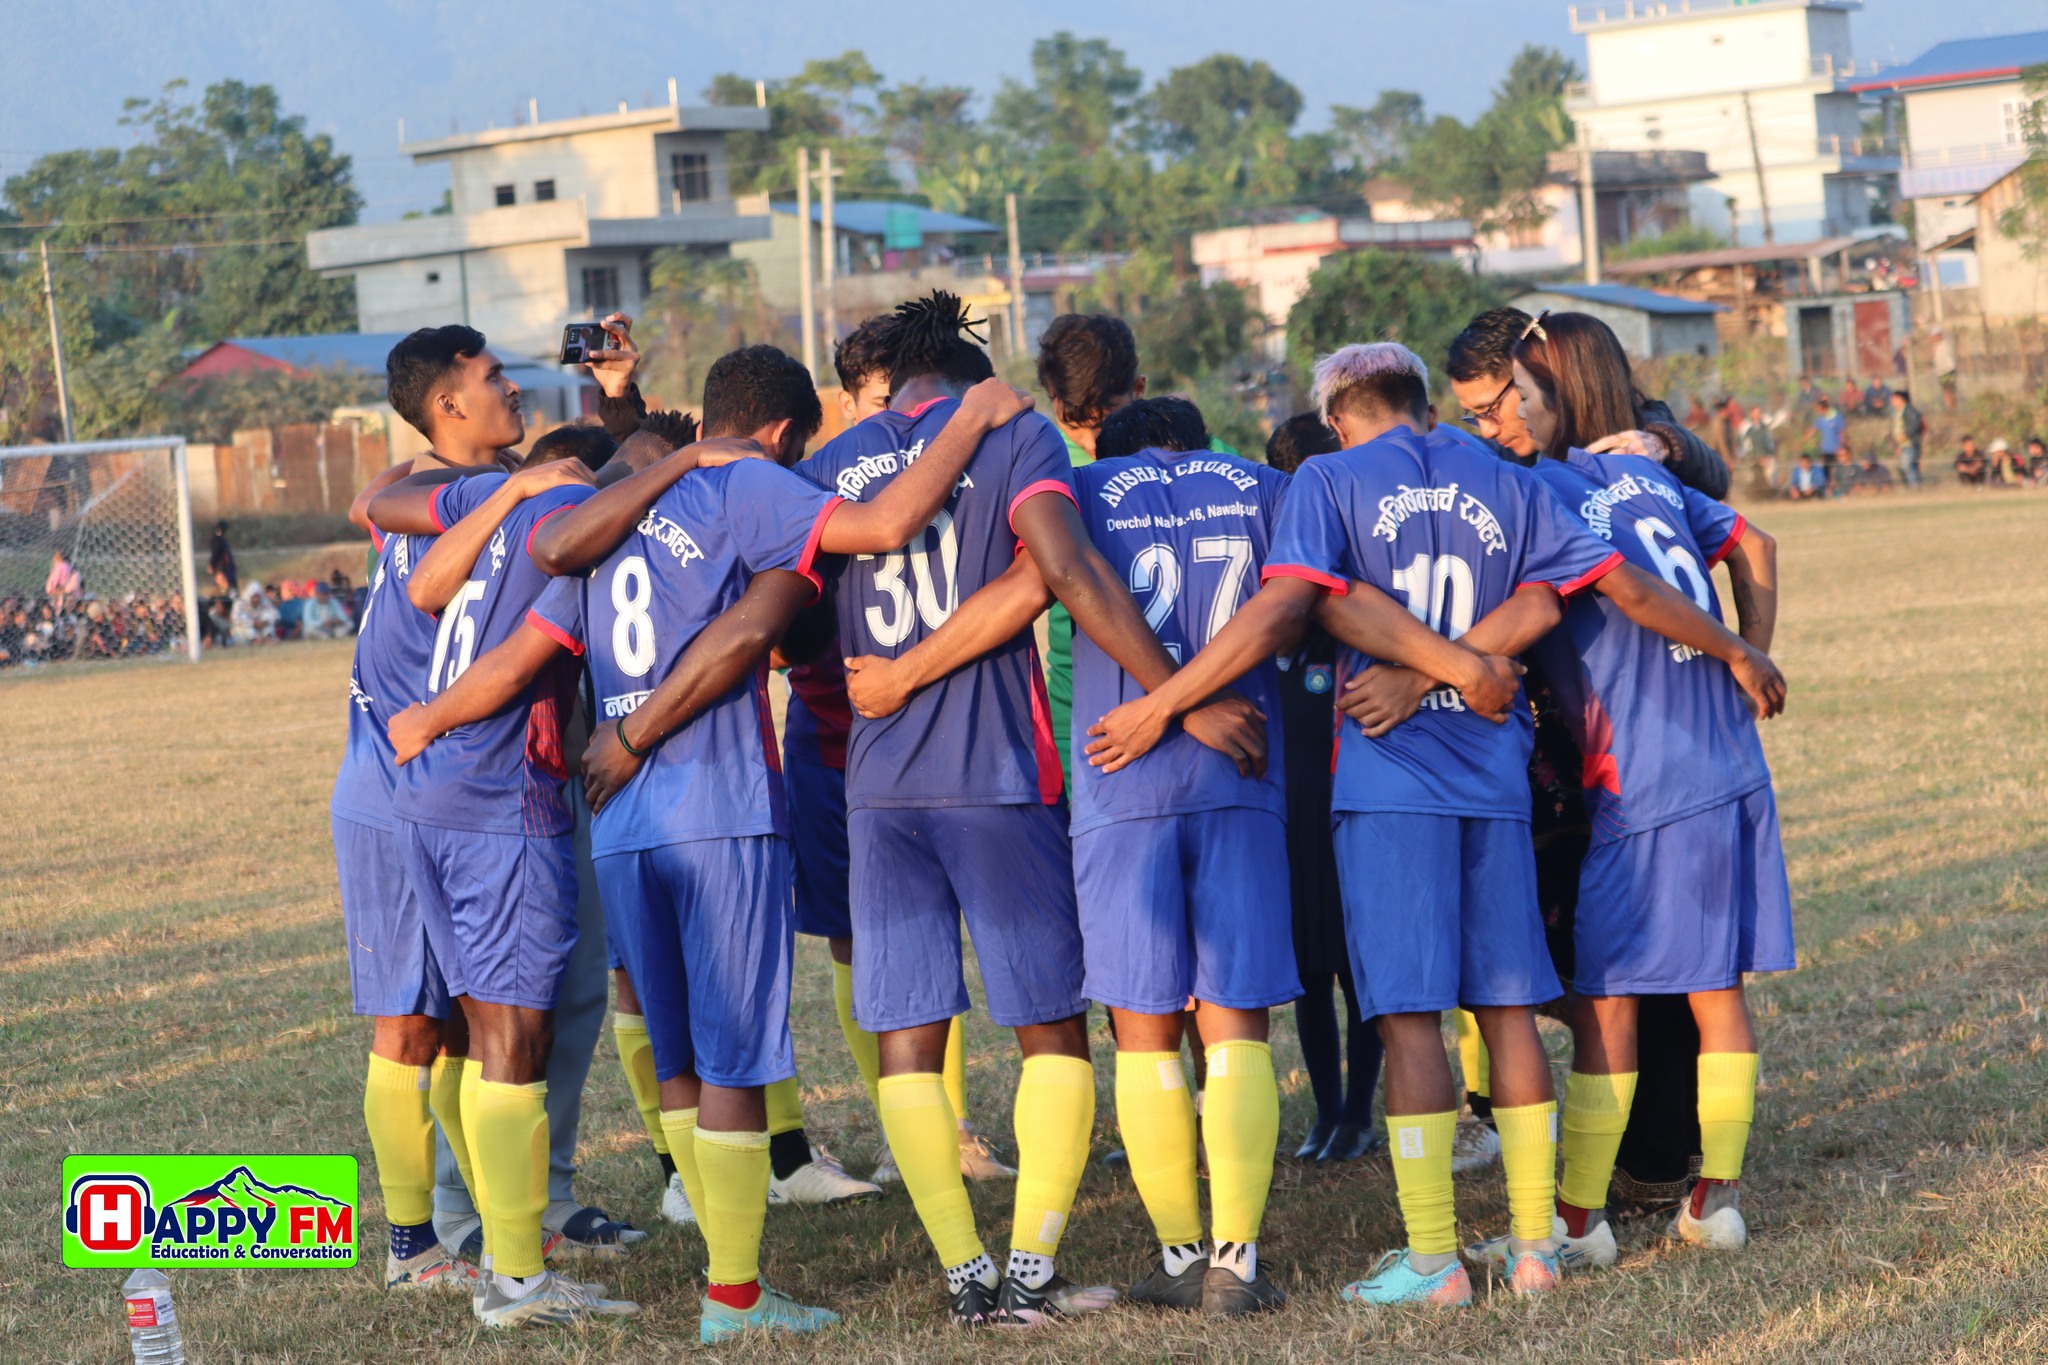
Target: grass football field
[(171, 979)]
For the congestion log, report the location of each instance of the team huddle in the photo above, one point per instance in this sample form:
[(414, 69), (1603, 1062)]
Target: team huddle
[(1122, 838)]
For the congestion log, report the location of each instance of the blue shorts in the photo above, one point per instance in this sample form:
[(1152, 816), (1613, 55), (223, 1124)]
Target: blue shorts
[(1689, 906), (705, 928), (817, 837), (1440, 911), (1007, 869), (500, 910), (391, 966), (1181, 905)]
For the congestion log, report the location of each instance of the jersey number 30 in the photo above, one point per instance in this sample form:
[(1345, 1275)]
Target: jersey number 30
[(890, 628)]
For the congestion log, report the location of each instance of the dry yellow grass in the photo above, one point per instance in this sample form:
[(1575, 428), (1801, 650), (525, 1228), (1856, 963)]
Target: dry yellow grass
[(171, 979)]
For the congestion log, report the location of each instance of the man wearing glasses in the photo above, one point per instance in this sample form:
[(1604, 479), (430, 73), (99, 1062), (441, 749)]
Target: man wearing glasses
[(1482, 378)]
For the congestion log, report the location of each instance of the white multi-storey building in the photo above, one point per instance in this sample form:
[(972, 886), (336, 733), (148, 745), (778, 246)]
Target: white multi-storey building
[(549, 223), (1764, 88)]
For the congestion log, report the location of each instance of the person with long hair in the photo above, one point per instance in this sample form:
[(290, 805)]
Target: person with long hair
[(1683, 888)]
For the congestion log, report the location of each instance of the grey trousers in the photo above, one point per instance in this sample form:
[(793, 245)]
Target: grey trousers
[(579, 1018)]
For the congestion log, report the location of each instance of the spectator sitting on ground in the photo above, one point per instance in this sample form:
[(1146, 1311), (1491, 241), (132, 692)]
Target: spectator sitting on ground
[(1872, 477), (1877, 397), (255, 617), (2037, 459), (2007, 471), (323, 617), (1851, 396), (290, 608), (1971, 466), (217, 622), (1809, 480)]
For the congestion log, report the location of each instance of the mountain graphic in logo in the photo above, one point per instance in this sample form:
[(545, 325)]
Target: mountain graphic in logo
[(240, 1188)]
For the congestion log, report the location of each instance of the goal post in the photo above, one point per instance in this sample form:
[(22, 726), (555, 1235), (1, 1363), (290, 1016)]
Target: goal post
[(119, 512)]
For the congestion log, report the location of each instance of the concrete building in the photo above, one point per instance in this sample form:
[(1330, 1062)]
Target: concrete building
[(2015, 283), (551, 222), (1273, 261), (1647, 323), (1963, 104), (1764, 88)]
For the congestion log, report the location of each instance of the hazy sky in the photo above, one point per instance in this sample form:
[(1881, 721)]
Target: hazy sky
[(353, 68)]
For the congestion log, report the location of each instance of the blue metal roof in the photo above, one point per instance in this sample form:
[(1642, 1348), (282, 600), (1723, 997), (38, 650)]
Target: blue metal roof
[(1628, 296), (870, 217), (1965, 60)]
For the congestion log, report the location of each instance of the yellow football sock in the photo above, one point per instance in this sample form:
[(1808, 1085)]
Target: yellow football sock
[(1472, 1056), (1595, 1116), (479, 1191), (1528, 1158), (512, 1150), (1241, 1123), (402, 1138), (956, 1069), (1727, 1108), (680, 1126), (1055, 1119), (866, 1050), (734, 1167), (785, 1107), (636, 1058), (918, 1121), (444, 1101), (1421, 1148), (1157, 1118)]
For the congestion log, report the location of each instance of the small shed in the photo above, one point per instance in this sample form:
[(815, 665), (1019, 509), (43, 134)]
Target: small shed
[(1648, 323), (1861, 336)]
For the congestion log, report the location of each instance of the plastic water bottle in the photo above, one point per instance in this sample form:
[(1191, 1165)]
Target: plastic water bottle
[(153, 1334)]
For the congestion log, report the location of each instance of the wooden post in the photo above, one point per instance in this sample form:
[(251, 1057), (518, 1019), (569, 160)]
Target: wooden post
[(1763, 197), (56, 344), (808, 324), (830, 238), (1016, 278), (1589, 206)]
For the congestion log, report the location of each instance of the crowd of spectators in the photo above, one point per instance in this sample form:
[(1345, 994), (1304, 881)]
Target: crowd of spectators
[(291, 609), (46, 629)]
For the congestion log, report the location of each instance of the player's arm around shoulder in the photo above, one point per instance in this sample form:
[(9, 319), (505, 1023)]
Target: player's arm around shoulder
[(446, 565), (495, 680), (915, 496), (989, 619)]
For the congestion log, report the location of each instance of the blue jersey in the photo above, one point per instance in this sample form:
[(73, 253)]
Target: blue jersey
[(1452, 533), (502, 774), (1189, 532), (1665, 731), (982, 736), (688, 560), (393, 643)]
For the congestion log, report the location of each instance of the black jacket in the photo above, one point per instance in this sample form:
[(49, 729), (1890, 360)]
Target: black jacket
[(1697, 464)]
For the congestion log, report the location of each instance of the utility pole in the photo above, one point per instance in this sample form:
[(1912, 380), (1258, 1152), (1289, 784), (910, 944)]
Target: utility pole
[(56, 344), (1016, 279), (1589, 206), (831, 242), (1763, 198), (809, 323)]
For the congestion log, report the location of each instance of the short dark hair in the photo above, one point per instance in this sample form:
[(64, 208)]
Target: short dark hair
[(865, 353), (576, 441), (419, 365), (1152, 424), (755, 386), (1902, 393), (1299, 437), (678, 429), (1485, 349), (1087, 361), (934, 335)]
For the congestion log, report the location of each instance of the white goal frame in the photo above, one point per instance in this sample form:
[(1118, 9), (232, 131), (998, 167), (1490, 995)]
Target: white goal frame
[(181, 477)]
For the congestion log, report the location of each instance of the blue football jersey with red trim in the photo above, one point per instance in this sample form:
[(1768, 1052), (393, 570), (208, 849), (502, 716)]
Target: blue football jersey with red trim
[(982, 736), (1188, 531), (394, 640), (502, 774), (1664, 730), (1450, 532), (687, 561)]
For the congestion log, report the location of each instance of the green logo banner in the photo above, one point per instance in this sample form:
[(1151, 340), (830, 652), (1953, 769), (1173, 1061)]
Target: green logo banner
[(236, 1211)]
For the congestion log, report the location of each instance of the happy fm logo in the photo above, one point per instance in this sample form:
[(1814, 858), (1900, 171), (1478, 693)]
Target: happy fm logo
[(237, 1217)]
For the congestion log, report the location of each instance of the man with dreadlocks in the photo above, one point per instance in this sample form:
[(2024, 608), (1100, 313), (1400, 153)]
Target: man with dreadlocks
[(955, 807)]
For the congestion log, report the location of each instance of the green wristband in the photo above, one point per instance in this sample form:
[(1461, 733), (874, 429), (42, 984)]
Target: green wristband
[(627, 744)]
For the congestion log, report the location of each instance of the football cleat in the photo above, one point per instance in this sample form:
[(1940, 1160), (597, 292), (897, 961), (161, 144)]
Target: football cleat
[(433, 1268), (1394, 1281), (774, 1314), (886, 1172), (1594, 1251), (1020, 1306), (590, 1233), (553, 1300), (1474, 1147), (1224, 1295), (1533, 1272), (974, 1305), (821, 1180), (675, 1201), (1712, 1217), (1161, 1290), (978, 1159)]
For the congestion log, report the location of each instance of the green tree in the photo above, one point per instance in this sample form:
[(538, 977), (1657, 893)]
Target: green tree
[(701, 307), (1377, 136), (1385, 296), (829, 103), (1490, 172), (2026, 220)]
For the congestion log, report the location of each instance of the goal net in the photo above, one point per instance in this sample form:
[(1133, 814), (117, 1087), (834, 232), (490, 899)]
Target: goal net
[(96, 553)]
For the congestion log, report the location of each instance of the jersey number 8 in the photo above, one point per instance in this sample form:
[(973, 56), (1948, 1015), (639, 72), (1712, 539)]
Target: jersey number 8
[(632, 628)]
